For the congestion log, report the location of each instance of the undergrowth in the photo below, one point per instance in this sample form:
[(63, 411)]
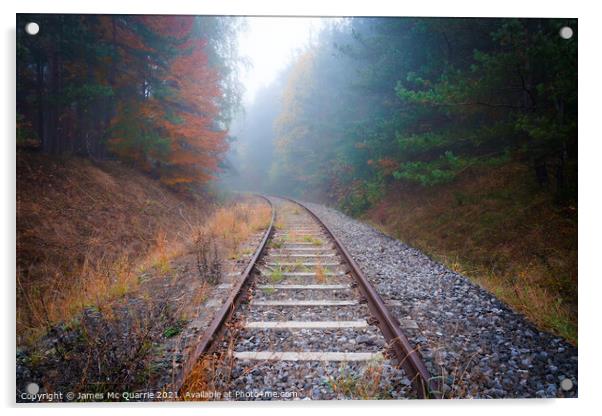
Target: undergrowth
[(89, 233), (365, 385), (86, 232), (503, 232), (106, 272)]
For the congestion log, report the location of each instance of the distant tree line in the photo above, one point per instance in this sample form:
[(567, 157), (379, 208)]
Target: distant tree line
[(156, 91), (379, 101)]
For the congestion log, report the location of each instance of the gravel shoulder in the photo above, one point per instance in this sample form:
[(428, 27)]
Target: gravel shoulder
[(473, 341)]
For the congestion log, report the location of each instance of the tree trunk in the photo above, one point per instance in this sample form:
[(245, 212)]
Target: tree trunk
[(52, 110), (40, 103), (541, 172), (110, 100)]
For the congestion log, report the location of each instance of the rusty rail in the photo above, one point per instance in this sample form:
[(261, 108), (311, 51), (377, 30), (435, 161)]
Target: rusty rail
[(225, 312), (409, 358)]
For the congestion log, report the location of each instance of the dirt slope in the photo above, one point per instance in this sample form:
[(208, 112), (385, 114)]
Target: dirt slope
[(82, 228)]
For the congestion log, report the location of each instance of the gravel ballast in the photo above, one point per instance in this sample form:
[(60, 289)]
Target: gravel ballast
[(473, 341), (281, 347)]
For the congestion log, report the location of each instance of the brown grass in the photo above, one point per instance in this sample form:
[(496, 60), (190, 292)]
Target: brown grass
[(320, 275), (208, 375), (231, 227), (86, 232), (104, 251), (499, 229), (212, 372), (365, 386), (235, 224)]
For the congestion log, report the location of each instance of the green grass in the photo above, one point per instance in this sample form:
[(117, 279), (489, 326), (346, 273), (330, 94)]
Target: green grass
[(312, 240), (171, 331), (268, 290), (175, 329), (276, 276), (276, 244), (162, 265)]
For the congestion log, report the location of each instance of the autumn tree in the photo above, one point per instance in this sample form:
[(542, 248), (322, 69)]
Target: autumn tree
[(155, 91)]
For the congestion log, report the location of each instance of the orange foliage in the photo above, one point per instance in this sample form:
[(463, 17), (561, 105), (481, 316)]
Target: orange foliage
[(388, 165), (195, 142), (173, 133), (178, 27)]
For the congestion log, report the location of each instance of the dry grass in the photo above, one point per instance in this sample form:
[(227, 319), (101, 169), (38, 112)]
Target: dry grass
[(102, 351), (212, 372), (105, 268), (87, 232), (320, 275), (498, 229), (84, 233), (233, 225), (364, 386)]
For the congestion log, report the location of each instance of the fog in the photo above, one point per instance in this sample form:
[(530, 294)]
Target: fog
[(343, 110), (268, 46)]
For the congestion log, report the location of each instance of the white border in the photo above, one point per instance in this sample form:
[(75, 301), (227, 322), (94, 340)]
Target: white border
[(506, 8), (590, 152)]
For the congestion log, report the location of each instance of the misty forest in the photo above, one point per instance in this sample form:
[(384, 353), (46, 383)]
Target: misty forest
[(138, 155)]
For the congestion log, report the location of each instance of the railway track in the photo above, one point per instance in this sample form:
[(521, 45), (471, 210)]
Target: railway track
[(301, 316)]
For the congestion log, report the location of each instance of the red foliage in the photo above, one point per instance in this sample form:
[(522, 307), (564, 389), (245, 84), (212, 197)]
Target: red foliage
[(178, 27), (174, 132), (388, 165)]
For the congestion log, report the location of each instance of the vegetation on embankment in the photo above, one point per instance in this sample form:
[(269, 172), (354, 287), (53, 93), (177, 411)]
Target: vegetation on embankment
[(112, 266), (502, 231), (84, 228)]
